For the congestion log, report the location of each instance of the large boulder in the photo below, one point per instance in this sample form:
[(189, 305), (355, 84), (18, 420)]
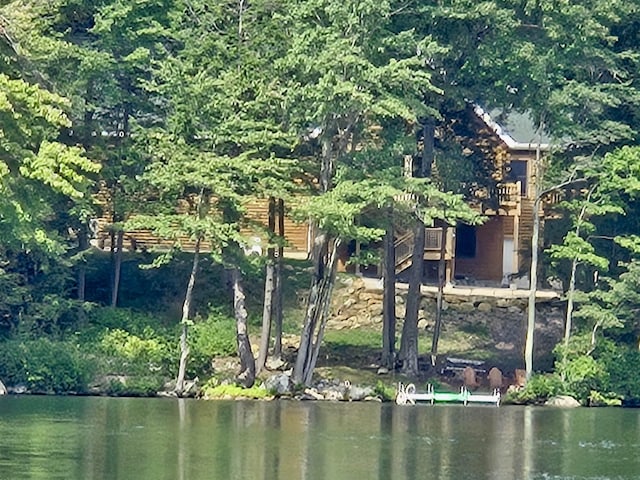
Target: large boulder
[(280, 384), (564, 401), (357, 393)]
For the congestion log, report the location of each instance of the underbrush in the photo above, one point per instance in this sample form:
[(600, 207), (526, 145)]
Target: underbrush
[(120, 352), (213, 390), (44, 366)]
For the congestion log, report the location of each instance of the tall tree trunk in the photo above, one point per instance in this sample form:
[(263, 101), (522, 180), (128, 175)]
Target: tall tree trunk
[(533, 272), (533, 288), (572, 280), (321, 284), (329, 283), (184, 322), (313, 299), (277, 304), (269, 288), (247, 374), (570, 293), (409, 341), (317, 310), (117, 266), (83, 246), (389, 295), (441, 281)]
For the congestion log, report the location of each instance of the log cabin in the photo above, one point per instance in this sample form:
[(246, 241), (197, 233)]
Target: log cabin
[(494, 253)]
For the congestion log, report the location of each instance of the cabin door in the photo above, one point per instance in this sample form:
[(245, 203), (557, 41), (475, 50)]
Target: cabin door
[(507, 257)]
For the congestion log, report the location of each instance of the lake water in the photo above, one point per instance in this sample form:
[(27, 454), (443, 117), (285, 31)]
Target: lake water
[(89, 438)]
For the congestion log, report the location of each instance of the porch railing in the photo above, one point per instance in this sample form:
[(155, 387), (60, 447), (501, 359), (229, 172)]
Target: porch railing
[(404, 244), (404, 248), (509, 193)]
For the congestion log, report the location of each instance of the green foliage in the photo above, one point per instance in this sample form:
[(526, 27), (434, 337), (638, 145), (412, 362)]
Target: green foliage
[(35, 170), (347, 338), (622, 365), (386, 393), (132, 321), (612, 307), (212, 390), (228, 102), (44, 366), (583, 375), (539, 388), (12, 299), (213, 337), (138, 386), (127, 342), (599, 375), (134, 349), (597, 399)]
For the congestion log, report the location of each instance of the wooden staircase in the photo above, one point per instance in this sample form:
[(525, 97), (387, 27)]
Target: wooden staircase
[(526, 222), (404, 247)]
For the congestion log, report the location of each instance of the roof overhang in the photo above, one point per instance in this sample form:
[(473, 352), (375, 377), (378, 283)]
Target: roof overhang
[(505, 137)]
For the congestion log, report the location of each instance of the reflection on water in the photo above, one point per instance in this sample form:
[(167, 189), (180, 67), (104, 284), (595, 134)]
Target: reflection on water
[(104, 438)]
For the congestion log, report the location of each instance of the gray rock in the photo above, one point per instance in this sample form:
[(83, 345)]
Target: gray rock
[(349, 302), (484, 307), (333, 394), (356, 393), (564, 401), (280, 384), (167, 394), (3, 389), (19, 389), (273, 363), (503, 303), (466, 307), (346, 281), (311, 394)]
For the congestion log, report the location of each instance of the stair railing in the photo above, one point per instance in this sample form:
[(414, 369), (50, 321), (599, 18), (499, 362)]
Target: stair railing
[(404, 248)]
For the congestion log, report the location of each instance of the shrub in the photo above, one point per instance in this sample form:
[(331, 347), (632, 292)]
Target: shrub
[(137, 323), (385, 392), (623, 365), (136, 354), (44, 366), (597, 399), (146, 386), (214, 337), (583, 375), (539, 388), (212, 390)]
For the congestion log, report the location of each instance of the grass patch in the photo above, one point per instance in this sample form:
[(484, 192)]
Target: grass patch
[(212, 391), (359, 337)]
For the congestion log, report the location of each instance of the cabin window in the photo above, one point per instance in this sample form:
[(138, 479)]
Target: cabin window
[(518, 173), (466, 241)]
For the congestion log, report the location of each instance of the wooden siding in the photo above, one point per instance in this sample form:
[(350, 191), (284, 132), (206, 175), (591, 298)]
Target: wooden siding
[(296, 234), (487, 263)]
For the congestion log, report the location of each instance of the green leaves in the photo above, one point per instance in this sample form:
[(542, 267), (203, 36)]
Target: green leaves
[(35, 170), (60, 167), (576, 247)]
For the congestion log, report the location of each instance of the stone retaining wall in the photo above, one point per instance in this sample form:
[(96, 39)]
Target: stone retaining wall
[(503, 319)]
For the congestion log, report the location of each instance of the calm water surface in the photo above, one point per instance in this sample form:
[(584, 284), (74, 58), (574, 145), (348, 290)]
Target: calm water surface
[(108, 438)]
